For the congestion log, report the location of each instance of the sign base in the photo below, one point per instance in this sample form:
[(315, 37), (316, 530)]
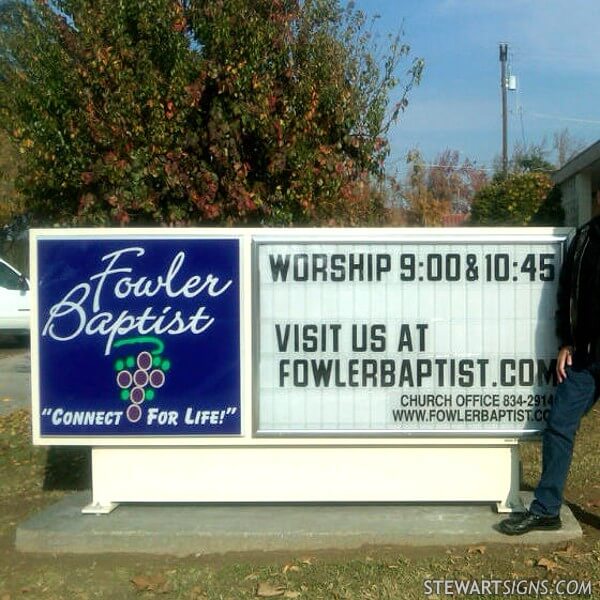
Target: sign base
[(407, 473), (95, 508)]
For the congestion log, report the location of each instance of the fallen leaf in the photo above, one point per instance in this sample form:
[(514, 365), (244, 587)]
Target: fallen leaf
[(476, 550), (548, 564), (290, 567), (268, 590), (150, 583), (197, 593), (568, 549)]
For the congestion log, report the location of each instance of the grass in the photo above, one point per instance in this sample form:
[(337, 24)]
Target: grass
[(31, 478)]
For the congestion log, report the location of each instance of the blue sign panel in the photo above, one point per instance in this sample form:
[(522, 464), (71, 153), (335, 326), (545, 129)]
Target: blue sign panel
[(139, 336)]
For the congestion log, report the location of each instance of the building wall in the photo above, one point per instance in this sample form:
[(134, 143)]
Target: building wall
[(570, 202), (577, 199)]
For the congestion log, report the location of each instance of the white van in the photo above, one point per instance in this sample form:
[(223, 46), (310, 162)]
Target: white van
[(14, 301)]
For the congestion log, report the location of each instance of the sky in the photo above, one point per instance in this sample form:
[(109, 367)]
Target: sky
[(554, 51)]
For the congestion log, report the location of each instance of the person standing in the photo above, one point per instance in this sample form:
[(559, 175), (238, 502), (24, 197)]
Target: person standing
[(578, 375)]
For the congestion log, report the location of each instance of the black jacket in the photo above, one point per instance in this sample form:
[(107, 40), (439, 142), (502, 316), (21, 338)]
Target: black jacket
[(578, 313)]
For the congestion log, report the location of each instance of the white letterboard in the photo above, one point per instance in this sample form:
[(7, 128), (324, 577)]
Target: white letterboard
[(405, 336)]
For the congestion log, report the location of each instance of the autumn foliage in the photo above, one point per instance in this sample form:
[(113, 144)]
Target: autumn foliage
[(516, 199), (193, 112), (435, 191)]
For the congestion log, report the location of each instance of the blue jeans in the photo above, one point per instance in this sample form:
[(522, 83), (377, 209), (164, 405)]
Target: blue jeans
[(574, 397)]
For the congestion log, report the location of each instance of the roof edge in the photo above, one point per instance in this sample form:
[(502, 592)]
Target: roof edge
[(579, 162)]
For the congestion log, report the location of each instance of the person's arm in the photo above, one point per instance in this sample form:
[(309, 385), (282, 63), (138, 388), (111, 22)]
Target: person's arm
[(563, 313), (563, 360)]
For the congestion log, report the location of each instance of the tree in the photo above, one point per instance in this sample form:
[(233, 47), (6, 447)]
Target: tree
[(185, 111), (11, 202), (550, 213), (535, 156), (530, 158), (524, 196), (423, 208), (565, 146), (512, 200), (443, 188)]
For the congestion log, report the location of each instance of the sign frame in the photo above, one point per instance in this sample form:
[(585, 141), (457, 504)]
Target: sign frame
[(491, 236), (133, 235), (251, 435)]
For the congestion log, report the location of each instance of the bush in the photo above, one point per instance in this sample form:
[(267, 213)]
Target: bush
[(513, 200)]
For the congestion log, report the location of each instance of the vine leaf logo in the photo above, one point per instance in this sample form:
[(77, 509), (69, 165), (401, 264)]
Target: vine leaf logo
[(140, 375)]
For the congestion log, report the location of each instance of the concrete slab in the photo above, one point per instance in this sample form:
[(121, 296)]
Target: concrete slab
[(207, 529)]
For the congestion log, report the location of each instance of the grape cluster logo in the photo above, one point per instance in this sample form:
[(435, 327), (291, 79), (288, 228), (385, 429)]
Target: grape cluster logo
[(139, 374)]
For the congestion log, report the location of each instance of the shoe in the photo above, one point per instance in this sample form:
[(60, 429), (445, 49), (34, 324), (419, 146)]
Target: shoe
[(527, 521)]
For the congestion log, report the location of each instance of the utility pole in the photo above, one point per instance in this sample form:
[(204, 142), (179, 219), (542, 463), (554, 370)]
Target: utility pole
[(504, 86)]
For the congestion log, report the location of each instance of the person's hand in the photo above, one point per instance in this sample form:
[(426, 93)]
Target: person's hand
[(564, 360)]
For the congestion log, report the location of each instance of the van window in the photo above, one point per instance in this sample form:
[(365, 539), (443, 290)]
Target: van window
[(9, 279)]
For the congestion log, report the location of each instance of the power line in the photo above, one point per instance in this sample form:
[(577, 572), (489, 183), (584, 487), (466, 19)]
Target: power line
[(572, 119), (439, 166)]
